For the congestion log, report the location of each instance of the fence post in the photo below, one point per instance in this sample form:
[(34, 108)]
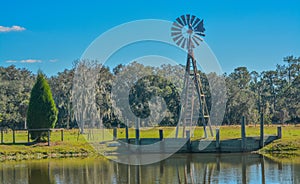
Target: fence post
[(62, 134), (137, 131), (161, 134), (261, 130), (137, 136), (49, 137), (2, 136), (279, 132), (217, 138), (14, 137), (28, 140), (188, 136), (127, 134), (243, 133)]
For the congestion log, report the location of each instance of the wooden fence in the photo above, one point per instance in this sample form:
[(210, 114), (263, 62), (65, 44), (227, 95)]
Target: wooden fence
[(48, 130)]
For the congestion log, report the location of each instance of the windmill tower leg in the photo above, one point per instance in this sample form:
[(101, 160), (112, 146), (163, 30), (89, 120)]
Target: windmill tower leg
[(202, 100)]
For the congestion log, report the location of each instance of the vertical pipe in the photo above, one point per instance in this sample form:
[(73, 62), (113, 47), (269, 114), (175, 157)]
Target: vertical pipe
[(261, 144), (217, 138), (243, 133), (279, 132)]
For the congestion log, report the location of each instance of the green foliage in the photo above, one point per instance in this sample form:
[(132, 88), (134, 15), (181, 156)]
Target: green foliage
[(148, 87), (15, 86), (275, 93), (42, 111)]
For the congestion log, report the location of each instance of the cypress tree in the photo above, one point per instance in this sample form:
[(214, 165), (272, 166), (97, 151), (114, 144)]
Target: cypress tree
[(42, 111)]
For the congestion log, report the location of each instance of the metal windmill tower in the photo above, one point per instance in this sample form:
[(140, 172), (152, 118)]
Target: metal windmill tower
[(186, 32)]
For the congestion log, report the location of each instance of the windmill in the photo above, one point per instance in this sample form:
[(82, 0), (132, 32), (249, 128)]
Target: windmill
[(187, 32)]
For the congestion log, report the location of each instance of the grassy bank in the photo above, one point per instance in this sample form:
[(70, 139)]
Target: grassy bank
[(287, 148), (76, 145)]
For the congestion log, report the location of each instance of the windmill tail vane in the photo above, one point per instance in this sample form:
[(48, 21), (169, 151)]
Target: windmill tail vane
[(199, 29)]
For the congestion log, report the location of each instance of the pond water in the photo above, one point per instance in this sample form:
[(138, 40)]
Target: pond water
[(180, 168)]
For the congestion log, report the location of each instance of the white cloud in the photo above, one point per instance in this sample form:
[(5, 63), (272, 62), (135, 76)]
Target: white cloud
[(12, 28), (53, 60), (30, 61), (24, 61), (11, 61)]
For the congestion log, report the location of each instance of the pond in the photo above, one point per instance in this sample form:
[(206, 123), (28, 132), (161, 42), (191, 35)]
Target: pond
[(180, 168)]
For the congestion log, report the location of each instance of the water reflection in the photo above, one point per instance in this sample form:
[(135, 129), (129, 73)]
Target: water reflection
[(180, 168)]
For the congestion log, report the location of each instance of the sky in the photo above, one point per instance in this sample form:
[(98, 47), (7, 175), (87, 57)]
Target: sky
[(50, 35)]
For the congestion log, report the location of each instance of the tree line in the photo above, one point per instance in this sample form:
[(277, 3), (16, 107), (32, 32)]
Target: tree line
[(274, 93)]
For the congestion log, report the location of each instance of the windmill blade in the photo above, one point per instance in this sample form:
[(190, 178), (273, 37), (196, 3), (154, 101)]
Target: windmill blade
[(188, 18), (175, 33), (175, 29), (177, 25), (198, 38), (177, 37), (196, 42), (196, 22), (183, 43), (183, 19), (179, 21), (179, 41), (193, 18)]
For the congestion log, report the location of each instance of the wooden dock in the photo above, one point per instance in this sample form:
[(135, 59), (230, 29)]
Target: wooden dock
[(155, 145), (186, 145)]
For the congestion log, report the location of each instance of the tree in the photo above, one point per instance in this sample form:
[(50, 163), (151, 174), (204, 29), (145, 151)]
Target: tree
[(42, 111), (15, 85), (61, 87), (241, 76)]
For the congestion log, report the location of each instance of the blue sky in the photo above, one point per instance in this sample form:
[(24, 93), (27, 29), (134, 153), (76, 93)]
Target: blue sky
[(50, 35)]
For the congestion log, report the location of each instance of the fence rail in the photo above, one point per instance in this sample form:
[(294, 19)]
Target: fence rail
[(48, 130)]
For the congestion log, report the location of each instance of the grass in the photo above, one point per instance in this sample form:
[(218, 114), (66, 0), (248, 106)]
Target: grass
[(75, 144), (288, 147)]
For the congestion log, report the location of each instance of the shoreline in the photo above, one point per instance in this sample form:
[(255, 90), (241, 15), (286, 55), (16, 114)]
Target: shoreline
[(75, 145), (283, 155)]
